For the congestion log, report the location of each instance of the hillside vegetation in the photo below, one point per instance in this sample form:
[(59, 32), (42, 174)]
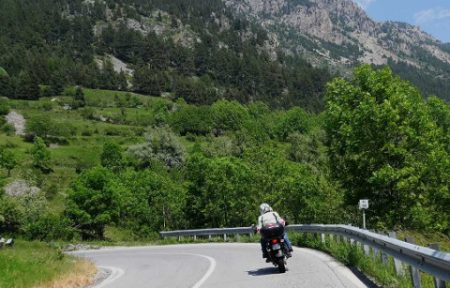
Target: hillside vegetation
[(125, 164), (191, 49)]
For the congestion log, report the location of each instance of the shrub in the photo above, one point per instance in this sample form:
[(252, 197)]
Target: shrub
[(4, 107), (49, 226), (161, 145)]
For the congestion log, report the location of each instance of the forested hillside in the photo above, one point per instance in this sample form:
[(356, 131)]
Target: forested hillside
[(196, 50)]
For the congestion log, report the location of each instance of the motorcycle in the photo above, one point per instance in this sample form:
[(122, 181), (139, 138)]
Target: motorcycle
[(275, 246)]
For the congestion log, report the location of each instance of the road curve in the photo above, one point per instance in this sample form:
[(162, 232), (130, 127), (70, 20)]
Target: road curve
[(215, 265)]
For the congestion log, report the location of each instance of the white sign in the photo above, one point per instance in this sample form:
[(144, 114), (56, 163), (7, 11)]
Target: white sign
[(363, 204)]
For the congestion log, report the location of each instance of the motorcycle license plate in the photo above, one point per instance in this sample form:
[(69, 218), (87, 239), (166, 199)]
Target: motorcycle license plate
[(276, 247)]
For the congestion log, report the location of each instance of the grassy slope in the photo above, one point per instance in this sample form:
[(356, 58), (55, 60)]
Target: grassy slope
[(28, 264)]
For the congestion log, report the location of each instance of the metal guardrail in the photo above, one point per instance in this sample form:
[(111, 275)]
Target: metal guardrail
[(434, 262)]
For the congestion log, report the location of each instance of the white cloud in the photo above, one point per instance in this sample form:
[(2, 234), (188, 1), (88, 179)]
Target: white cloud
[(364, 3), (431, 15)]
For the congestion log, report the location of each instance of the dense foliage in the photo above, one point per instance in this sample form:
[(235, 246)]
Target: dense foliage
[(388, 145), (138, 165)]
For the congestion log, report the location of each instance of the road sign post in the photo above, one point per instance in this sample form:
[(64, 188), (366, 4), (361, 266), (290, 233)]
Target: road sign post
[(363, 205)]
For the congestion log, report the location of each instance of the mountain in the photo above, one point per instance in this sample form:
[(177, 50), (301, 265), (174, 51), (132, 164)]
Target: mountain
[(340, 33), (281, 52)]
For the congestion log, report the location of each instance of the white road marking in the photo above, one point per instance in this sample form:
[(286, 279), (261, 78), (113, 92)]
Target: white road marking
[(208, 273), (116, 273)]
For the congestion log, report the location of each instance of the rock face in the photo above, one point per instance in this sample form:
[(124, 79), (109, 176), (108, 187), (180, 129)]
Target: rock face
[(341, 32), (20, 188), (15, 119)]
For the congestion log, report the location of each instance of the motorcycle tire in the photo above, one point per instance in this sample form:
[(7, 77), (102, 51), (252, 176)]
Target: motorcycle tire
[(281, 265)]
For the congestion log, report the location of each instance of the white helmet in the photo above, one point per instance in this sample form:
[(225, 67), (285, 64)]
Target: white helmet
[(264, 208)]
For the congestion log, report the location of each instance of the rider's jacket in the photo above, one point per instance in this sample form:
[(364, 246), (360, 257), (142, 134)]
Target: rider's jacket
[(269, 218)]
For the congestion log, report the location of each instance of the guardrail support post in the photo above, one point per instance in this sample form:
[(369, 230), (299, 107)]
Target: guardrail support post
[(225, 237), (366, 249), (397, 263), (415, 274), (238, 237), (438, 283), (209, 237), (195, 237), (322, 237)]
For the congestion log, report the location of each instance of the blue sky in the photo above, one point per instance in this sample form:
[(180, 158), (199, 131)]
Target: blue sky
[(432, 16)]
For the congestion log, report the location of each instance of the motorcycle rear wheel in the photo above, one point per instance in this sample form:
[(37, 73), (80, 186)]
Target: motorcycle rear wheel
[(281, 265)]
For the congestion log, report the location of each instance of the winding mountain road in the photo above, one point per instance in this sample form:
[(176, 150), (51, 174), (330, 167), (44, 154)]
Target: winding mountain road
[(215, 265)]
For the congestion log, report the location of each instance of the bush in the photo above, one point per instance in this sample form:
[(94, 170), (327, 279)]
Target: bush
[(161, 145), (49, 227), (4, 107)]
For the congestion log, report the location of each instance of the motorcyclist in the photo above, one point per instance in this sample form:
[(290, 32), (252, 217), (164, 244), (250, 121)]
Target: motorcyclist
[(268, 218)]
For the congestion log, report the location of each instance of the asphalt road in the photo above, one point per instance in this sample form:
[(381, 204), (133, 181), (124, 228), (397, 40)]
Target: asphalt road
[(215, 265)]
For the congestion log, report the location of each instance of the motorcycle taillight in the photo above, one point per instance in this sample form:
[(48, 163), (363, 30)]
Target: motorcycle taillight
[(274, 241)]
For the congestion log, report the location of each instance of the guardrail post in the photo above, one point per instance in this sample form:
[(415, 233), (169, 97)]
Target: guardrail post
[(225, 237), (322, 237), (384, 257), (179, 238), (195, 237), (415, 274), (438, 283), (366, 249), (238, 237), (397, 263), (209, 237), (374, 250)]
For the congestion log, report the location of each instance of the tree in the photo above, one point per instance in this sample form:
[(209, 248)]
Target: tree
[(220, 192), (56, 84), (7, 160), (295, 120), (79, 99), (191, 119), (161, 145), (157, 202), (27, 87), (41, 155), (94, 201), (6, 86), (385, 146), (111, 156), (40, 125), (228, 115)]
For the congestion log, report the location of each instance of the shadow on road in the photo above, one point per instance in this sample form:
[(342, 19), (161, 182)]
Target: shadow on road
[(263, 271)]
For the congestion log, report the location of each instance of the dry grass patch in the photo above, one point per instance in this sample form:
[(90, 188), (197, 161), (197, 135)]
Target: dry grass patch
[(82, 275)]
